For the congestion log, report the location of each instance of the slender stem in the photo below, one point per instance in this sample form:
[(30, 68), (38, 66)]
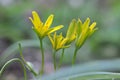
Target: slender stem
[(22, 57), (42, 52), (12, 60), (61, 58), (54, 59), (74, 57)]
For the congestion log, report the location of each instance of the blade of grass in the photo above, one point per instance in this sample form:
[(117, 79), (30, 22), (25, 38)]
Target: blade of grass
[(14, 60)]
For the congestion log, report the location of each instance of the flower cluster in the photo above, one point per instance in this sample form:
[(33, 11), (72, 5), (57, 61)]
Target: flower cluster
[(78, 31), (58, 41)]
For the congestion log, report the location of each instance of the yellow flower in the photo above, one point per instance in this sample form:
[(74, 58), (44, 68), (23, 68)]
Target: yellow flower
[(58, 41), (71, 32), (43, 29), (84, 30)]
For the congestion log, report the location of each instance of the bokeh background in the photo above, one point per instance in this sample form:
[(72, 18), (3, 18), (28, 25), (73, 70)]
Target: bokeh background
[(15, 26)]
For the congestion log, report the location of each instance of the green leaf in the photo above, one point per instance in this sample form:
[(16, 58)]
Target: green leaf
[(94, 76), (96, 67)]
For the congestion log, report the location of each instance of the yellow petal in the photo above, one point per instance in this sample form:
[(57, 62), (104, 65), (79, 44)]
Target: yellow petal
[(80, 39), (63, 42), (78, 27), (92, 26), (31, 20), (36, 16), (54, 29), (71, 29), (54, 39), (79, 43), (80, 20), (49, 21), (71, 38), (86, 24), (59, 39), (92, 31), (71, 32), (66, 46), (51, 40), (36, 20)]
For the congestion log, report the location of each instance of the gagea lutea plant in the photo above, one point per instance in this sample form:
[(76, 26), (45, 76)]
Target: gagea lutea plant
[(78, 32)]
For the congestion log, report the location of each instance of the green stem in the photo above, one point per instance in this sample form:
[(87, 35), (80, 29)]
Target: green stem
[(12, 60), (54, 59), (42, 52), (22, 57), (61, 58), (74, 57)]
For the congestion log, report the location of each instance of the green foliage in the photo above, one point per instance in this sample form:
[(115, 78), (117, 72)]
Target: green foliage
[(94, 76), (92, 70), (78, 72)]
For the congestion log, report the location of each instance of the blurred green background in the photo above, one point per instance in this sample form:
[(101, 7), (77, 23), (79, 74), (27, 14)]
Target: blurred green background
[(104, 44)]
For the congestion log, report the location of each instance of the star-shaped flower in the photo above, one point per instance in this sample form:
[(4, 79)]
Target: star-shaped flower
[(41, 29), (83, 31), (58, 41)]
